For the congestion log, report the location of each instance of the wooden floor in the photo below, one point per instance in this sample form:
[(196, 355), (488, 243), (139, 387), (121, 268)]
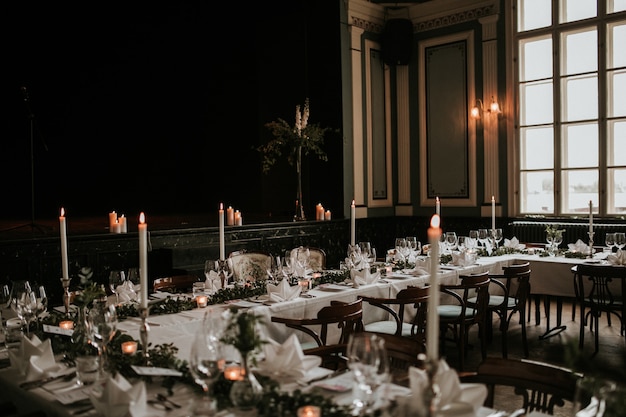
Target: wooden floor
[(609, 362)]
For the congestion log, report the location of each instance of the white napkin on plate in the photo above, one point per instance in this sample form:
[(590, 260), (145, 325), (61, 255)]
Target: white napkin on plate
[(422, 267), (463, 258), (363, 277), (579, 246), (513, 243), (119, 398), (34, 359), (453, 393), (617, 258), (283, 291), (127, 292), (287, 359)]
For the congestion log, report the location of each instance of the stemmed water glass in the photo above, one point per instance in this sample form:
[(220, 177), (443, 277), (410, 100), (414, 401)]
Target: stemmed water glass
[(483, 236), (42, 302), (206, 363), (275, 271), (116, 279), (402, 248), (415, 246), (451, 241), (472, 241), (620, 240), (26, 306), (609, 241), (369, 363), (496, 236), (101, 327)]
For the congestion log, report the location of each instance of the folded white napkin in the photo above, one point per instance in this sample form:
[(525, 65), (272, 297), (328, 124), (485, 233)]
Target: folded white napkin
[(127, 292), (463, 258), (119, 398), (422, 267), (452, 391), (287, 359), (513, 243), (213, 282), (363, 277), (579, 246), (34, 359), (617, 258), (283, 291)]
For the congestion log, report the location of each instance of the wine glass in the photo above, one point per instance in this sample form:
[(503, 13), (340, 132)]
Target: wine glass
[(415, 246), (26, 308), (609, 241), (225, 270), (368, 361), (354, 257), (212, 281), (483, 236), (42, 302), (101, 326), (133, 276), (206, 363), (451, 241), (472, 241), (275, 271), (402, 248), (496, 235), (287, 266), (116, 279), (620, 240), (303, 259)]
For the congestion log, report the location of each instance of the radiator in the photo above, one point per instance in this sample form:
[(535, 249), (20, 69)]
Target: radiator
[(535, 232)]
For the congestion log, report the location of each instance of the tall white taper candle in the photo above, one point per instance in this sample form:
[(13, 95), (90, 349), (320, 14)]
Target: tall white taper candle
[(493, 213), (221, 221), (352, 224), (432, 329), (63, 229), (143, 259), (590, 216)]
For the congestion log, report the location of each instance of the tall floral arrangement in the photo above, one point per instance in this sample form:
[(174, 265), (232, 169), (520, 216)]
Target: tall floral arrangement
[(301, 139)]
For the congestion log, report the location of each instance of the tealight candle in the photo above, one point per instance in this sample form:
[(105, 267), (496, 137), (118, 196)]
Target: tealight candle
[(129, 348), (66, 324), (309, 411), (202, 300), (233, 373)]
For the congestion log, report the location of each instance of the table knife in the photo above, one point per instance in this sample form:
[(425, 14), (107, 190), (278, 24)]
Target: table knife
[(41, 382)]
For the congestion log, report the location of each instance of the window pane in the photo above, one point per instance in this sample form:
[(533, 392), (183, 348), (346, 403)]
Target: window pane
[(533, 14), (616, 6), (617, 99), (617, 192), (580, 145), (537, 148), (536, 59), (578, 188), (579, 98), (579, 52), (537, 192), (536, 103), (572, 10), (616, 53), (616, 143)]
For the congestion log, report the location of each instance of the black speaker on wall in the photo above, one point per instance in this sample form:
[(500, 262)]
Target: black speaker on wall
[(396, 41)]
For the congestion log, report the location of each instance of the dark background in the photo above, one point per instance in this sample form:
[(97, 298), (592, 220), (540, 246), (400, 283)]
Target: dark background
[(152, 107)]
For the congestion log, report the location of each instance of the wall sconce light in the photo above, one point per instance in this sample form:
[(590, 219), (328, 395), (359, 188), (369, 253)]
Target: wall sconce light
[(477, 110)]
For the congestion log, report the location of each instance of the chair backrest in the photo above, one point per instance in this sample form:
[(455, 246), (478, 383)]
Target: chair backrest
[(593, 284), (402, 353), (348, 317), (176, 283), (413, 297), (475, 286), (317, 259), (540, 385), (250, 266), (514, 281)]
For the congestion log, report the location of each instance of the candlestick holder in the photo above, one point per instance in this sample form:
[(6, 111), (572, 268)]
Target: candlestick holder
[(591, 251), (66, 295), (431, 394), (144, 329)]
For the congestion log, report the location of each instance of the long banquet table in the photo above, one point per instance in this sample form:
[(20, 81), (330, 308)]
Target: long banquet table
[(180, 328)]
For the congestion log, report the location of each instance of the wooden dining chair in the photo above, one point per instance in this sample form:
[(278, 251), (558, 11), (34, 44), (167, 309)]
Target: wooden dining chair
[(250, 266), (406, 313), (597, 296), (348, 317), (317, 260), (540, 386), (459, 315), (509, 294), (175, 284)]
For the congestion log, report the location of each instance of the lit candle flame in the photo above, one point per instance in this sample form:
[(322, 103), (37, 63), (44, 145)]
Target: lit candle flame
[(142, 218), (62, 212), (435, 221)]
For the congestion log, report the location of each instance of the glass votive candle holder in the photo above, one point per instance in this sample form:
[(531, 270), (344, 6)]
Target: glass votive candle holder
[(66, 325), (234, 372), (309, 411), (129, 348), (202, 300)]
